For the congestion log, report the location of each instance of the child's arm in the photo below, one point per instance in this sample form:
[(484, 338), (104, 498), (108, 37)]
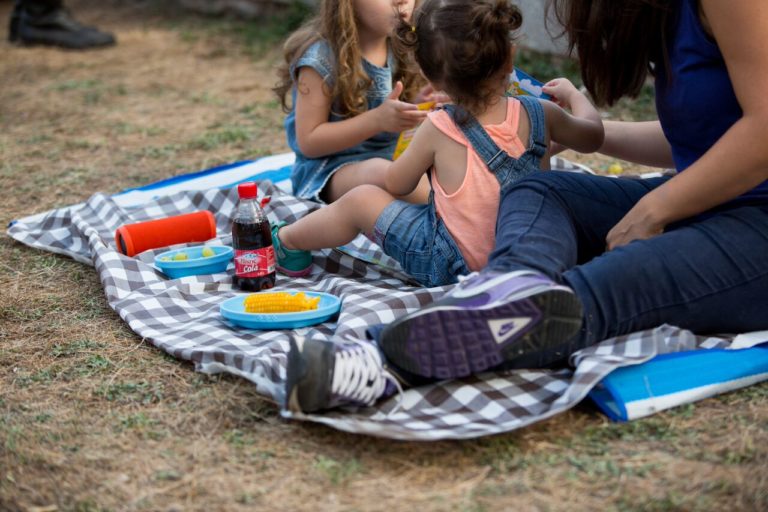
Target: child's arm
[(317, 137), (404, 173), (581, 131)]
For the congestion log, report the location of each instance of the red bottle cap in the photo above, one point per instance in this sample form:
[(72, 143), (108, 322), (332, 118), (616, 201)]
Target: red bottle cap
[(247, 190)]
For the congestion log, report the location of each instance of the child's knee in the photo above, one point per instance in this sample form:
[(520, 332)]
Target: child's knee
[(364, 195), (376, 172), (365, 203)]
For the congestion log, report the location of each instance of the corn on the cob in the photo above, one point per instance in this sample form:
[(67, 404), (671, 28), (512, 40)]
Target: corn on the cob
[(279, 302)]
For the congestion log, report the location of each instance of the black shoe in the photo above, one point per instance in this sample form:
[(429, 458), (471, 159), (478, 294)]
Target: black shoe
[(55, 28), (13, 29), (324, 375)]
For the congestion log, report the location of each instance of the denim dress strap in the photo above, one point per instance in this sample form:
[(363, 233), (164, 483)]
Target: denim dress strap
[(538, 142), (489, 151)]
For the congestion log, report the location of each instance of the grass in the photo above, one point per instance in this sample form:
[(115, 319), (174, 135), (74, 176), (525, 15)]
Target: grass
[(546, 67), (93, 418), (337, 472), (256, 39), (141, 393)]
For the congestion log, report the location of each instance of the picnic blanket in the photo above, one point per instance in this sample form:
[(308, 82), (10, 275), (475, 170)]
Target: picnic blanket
[(181, 316)]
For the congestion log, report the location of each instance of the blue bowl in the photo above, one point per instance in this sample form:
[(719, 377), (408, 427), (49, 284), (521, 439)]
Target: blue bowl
[(196, 263), (234, 310)]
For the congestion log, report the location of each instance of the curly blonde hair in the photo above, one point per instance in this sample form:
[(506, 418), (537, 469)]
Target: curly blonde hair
[(336, 22)]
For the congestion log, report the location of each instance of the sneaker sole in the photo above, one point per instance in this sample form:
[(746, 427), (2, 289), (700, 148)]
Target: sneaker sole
[(448, 342), (307, 381)]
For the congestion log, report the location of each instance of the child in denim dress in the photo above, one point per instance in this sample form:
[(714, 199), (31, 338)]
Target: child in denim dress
[(471, 151), (346, 116)]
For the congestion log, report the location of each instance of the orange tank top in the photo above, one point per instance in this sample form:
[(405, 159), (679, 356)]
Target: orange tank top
[(470, 213)]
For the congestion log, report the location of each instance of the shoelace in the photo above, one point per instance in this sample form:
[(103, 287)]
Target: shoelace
[(473, 278), (359, 374), (462, 278)]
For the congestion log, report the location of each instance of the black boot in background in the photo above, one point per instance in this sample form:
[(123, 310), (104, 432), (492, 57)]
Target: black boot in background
[(47, 22)]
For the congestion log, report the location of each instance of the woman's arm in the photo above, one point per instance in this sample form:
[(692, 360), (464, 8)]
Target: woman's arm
[(642, 142), (405, 172), (739, 160), (317, 137)]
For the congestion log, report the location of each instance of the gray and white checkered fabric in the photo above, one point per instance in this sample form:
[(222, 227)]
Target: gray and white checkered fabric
[(181, 317)]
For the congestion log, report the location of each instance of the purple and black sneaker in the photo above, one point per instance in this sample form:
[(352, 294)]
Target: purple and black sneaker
[(490, 320), (323, 375)]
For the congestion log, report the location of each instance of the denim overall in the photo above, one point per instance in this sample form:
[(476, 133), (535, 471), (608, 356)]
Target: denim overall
[(310, 175), (417, 238)]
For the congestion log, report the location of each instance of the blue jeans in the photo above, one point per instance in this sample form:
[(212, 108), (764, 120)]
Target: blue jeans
[(708, 274)]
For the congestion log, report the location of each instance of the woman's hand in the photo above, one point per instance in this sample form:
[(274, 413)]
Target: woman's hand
[(397, 116), (640, 223)]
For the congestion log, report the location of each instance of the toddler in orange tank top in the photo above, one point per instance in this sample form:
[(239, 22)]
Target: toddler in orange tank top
[(471, 150)]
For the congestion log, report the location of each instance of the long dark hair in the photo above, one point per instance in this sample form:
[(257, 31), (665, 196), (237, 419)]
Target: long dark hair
[(463, 46), (618, 42), (336, 23)]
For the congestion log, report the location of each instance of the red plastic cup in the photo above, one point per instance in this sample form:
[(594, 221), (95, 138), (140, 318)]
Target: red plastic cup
[(131, 239)]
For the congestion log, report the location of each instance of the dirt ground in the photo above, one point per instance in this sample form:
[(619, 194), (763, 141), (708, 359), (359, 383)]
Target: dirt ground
[(93, 418)]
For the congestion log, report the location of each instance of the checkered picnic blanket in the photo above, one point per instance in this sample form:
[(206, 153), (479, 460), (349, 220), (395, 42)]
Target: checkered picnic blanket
[(181, 317)]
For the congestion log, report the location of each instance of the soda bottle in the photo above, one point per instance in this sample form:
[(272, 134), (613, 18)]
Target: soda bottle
[(252, 242)]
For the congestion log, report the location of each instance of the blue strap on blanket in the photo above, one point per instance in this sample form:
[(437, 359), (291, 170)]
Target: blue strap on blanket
[(275, 175), (674, 379)]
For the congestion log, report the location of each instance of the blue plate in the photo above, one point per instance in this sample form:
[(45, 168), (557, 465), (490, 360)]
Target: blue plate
[(234, 310), (195, 263)]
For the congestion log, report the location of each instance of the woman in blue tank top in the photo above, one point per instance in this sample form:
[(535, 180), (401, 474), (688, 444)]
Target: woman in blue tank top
[(580, 258)]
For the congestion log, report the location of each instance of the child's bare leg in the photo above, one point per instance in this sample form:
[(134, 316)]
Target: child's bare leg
[(367, 172), (338, 223), (370, 172)]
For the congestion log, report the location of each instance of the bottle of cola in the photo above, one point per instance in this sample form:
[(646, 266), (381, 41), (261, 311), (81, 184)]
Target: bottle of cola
[(252, 242)]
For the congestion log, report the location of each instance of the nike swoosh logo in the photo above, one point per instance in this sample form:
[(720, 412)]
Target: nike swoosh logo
[(504, 329)]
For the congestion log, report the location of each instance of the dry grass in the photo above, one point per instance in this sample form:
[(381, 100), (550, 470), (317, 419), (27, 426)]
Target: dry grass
[(92, 418)]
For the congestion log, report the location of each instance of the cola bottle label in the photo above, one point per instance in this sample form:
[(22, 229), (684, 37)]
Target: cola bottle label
[(254, 262)]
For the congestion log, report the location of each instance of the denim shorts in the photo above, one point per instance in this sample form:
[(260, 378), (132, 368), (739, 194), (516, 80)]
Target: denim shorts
[(414, 236)]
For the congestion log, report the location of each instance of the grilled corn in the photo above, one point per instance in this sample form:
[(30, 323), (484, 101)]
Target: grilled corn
[(280, 302)]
